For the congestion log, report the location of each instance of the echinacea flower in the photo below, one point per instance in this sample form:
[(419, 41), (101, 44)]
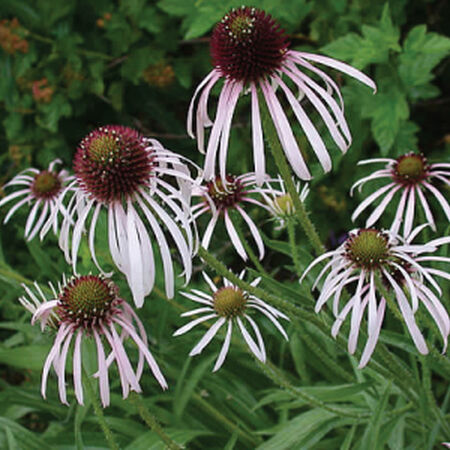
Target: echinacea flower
[(355, 265), (131, 178), (280, 202), (89, 307), (411, 176), (230, 305), (250, 52), (219, 200), (42, 189)]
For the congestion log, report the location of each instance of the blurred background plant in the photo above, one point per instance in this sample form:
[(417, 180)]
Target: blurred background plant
[(69, 67)]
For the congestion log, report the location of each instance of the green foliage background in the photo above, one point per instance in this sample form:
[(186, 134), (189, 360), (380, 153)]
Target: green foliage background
[(100, 59)]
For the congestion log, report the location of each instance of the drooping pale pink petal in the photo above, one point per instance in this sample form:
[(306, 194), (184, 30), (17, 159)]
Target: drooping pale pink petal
[(249, 340), (342, 67), (232, 233), (408, 315), (370, 199), (285, 134), (224, 350), (193, 323), (77, 376), (206, 339), (102, 371), (257, 138)]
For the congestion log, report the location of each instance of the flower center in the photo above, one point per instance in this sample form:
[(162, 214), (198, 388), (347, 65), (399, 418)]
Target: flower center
[(46, 184), (247, 45), (283, 203), (368, 248), (410, 169), (227, 196), (229, 302), (112, 163), (87, 299)]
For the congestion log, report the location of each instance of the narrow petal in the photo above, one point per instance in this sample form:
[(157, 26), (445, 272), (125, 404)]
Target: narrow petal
[(224, 350), (257, 138), (207, 337)]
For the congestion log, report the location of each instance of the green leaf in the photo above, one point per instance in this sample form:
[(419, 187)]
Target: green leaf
[(372, 433), (294, 431), (406, 140), (29, 440), (29, 357), (374, 45), (390, 112), (138, 61), (151, 441), (422, 52), (51, 113)]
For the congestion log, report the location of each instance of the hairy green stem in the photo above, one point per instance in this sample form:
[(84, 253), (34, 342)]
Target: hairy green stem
[(233, 428), (152, 422), (277, 377), (293, 245), (253, 258), (396, 370), (99, 413), (285, 172)]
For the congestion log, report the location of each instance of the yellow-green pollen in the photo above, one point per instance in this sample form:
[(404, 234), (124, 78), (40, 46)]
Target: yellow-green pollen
[(241, 26), (229, 302), (104, 149), (88, 298), (369, 248), (411, 167), (45, 182), (284, 204)]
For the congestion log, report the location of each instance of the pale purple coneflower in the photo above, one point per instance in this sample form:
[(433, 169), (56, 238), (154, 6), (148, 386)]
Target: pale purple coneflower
[(219, 200), (89, 307), (230, 305), (280, 201), (411, 176), (370, 253), (250, 51), (42, 189), (144, 189)]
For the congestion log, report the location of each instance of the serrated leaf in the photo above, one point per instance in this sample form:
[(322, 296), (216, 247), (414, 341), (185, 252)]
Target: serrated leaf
[(372, 47), (422, 52), (390, 111), (406, 140)]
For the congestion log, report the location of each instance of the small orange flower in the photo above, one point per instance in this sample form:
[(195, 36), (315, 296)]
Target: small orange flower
[(10, 41), (40, 93), (160, 74)]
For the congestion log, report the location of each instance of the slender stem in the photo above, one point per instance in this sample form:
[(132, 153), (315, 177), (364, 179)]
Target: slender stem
[(276, 376), (152, 422), (285, 172), (389, 364), (331, 364), (99, 413), (254, 441), (293, 244)]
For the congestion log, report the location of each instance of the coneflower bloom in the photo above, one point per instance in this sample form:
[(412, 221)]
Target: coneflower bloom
[(250, 52), (89, 307), (42, 189), (411, 176), (131, 178), (370, 253), (219, 200), (280, 202), (230, 305)]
